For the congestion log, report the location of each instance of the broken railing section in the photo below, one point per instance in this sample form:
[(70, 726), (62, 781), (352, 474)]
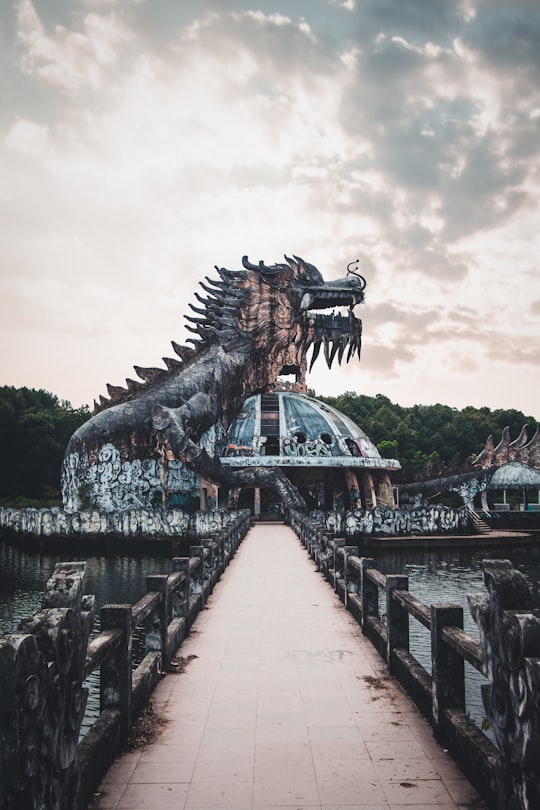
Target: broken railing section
[(44, 666), (508, 655)]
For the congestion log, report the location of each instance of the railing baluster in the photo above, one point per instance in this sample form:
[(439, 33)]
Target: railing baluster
[(116, 671), (447, 666), (397, 619)]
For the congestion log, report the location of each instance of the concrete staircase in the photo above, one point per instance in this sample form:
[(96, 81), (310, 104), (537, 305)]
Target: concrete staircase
[(479, 524)]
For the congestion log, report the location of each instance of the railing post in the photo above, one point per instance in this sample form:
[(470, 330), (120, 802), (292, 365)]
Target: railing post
[(447, 666), (220, 540), (338, 543), (115, 672), (350, 574), (210, 563), (369, 591), (314, 542), (397, 618), (159, 583), (198, 575), (180, 606)]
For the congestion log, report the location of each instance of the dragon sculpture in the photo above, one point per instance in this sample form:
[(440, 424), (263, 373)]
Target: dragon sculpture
[(145, 441)]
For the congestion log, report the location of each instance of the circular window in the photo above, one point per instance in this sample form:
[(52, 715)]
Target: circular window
[(327, 439), (300, 437)]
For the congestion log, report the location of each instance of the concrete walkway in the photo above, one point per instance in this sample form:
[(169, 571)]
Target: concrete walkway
[(286, 705)]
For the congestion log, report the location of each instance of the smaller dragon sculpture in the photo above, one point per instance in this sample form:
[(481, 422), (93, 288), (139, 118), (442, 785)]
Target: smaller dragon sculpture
[(250, 327)]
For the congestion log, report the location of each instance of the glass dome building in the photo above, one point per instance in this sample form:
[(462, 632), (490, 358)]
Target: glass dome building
[(326, 455)]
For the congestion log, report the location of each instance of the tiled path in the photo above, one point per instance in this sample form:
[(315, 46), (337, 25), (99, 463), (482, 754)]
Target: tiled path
[(284, 706)]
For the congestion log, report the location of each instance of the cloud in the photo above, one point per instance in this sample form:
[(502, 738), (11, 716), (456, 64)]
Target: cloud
[(506, 36), (71, 60), (417, 20), (143, 143)]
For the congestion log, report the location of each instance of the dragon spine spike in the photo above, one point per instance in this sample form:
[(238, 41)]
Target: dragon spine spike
[(291, 262), (227, 275), (534, 438), (115, 391), (268, 270), (185, 353), (197, 321), (300, 263), (521, 439), (198, 310), (215, 293), (208, 301), (150, 375), (219, 286), (248, 265), (134, 385), (505, 439), (172, 362)]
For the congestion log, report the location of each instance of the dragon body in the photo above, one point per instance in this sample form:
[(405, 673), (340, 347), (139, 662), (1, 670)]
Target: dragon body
[(145, 443)]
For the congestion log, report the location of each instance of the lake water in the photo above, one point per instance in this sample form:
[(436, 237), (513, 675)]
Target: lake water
[(441, 575)]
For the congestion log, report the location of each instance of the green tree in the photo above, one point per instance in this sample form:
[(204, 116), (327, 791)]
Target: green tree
[(427, 437), (35, 427)]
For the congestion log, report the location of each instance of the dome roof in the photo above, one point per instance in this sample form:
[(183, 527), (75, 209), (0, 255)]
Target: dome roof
[(292, 429), (514, 475)]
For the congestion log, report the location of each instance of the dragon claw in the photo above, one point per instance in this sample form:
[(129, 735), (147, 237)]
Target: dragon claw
[(161, 418)]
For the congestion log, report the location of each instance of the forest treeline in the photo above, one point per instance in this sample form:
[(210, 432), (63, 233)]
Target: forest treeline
[(427, 439), (35, 427)]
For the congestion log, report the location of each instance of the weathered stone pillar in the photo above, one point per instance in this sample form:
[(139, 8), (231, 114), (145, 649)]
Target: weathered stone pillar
[(351, 575), (448, 672), (181, 603), (159, 583), (369, 590), (397, 618), (197, 577), (115, 671)]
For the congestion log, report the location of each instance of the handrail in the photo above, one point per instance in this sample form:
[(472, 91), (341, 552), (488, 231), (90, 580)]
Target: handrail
[(414, 607), (503, 771)]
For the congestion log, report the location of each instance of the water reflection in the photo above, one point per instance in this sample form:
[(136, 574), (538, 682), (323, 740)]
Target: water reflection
[(434, 576), (448, 576), (112, 579), (23, 575)]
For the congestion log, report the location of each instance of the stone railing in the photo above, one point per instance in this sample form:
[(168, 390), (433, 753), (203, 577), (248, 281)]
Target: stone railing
[(505, 773), (394, 522), (133, 523), (45, 663)]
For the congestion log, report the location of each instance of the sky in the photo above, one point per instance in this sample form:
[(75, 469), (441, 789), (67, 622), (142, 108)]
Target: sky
[(143, 142)]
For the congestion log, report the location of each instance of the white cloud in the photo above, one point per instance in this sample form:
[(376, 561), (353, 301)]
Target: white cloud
[(69, 60), (156, 154), (28, 138)]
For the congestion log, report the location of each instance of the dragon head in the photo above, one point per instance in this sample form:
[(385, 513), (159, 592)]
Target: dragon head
[(274, 312)]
